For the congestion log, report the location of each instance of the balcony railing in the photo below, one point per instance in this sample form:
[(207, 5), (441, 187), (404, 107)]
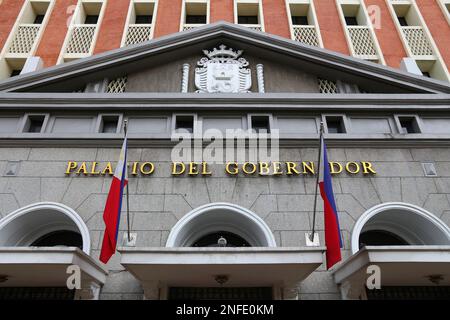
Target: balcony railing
[(417, 41), (362, 42), (24, 39), (81, 39), (138, 33), (190, 26), (255, 27), (306, 34)]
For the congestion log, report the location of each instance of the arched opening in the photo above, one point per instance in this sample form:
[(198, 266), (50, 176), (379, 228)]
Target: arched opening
[(398, 223), (380, 238), (63, 238), (44, 225), (204, 224), (221, 239)]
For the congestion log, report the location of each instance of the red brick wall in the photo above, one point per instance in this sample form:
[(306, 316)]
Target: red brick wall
[(221, 10), (438, 26), (9, 11), (330, 25), (275, 18), (168, 17), (112, 25), (387, 35), (55, 32)]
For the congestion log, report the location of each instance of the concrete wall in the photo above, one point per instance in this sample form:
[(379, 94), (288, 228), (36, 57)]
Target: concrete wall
[(278, 77), (285, 203)]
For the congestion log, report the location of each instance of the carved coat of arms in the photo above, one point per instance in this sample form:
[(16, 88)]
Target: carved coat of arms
[(222, 71)]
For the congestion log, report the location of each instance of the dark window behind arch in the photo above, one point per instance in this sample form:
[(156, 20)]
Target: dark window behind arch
[(380, 238), (59, 238), (211, 240)]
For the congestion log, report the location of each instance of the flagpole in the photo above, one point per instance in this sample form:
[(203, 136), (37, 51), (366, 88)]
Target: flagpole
[(317, 182), (128, 198)]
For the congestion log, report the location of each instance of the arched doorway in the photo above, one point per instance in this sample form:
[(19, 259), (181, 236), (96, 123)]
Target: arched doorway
[(44, 224), (397, 223), (44, 239), (406, 247), (241, 225)]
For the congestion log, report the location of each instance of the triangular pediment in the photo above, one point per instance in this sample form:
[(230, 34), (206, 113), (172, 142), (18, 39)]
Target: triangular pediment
[(289, 66)]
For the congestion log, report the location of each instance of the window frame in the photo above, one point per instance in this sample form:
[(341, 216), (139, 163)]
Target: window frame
[(416, 117), (269, 115), (26, 119), (99, 122), (345, 123), (195, 125)]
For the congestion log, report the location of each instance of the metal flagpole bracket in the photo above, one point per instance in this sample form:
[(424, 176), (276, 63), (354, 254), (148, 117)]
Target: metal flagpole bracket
[(314, 242), (129, 240)]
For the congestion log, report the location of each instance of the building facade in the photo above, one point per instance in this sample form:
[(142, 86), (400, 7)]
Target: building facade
[(380, 31), (223, 121)]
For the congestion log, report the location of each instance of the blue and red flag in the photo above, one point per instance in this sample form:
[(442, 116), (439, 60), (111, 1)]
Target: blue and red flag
[(333, 240), (113, 207)]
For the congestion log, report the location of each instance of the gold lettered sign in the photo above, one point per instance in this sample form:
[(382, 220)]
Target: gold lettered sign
[(274, 168)]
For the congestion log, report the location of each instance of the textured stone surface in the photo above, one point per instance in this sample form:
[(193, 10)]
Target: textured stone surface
[(158, 201)]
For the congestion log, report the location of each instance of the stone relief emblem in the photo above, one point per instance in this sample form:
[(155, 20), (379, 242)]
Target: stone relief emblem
[(223, 71)]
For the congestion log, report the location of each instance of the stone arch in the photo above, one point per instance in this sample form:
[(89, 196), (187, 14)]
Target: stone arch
[(25, 225), (221, 217), (415, 225)]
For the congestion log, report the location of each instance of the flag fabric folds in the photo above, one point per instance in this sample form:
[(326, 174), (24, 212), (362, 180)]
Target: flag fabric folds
[(113, 207), (333, 240)]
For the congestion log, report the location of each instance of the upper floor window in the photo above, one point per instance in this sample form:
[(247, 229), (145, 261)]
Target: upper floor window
[(250, 15), (91, 19), (196, 19), (15, 72), (351, 21), (335, 124), (195, 13), (248, 19), (144, 19), (402, 21), (39, 19), (300, 20)]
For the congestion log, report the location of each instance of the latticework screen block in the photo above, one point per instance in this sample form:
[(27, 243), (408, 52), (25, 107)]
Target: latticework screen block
[(24, 39), (362, 41), (138, 34), (191, 26), (255, 27), (417, 41), (306, 34), (117, 85), (81, 39), (327, 86)]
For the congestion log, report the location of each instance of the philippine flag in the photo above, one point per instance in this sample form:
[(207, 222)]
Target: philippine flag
[(113, 207), (333, 240)]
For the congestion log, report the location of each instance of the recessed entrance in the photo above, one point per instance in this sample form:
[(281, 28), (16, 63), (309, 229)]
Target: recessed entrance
[(380, 238), (396, 223), (221, 239), (215, 218), (61, 238), (220, 293), (44, 224)]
